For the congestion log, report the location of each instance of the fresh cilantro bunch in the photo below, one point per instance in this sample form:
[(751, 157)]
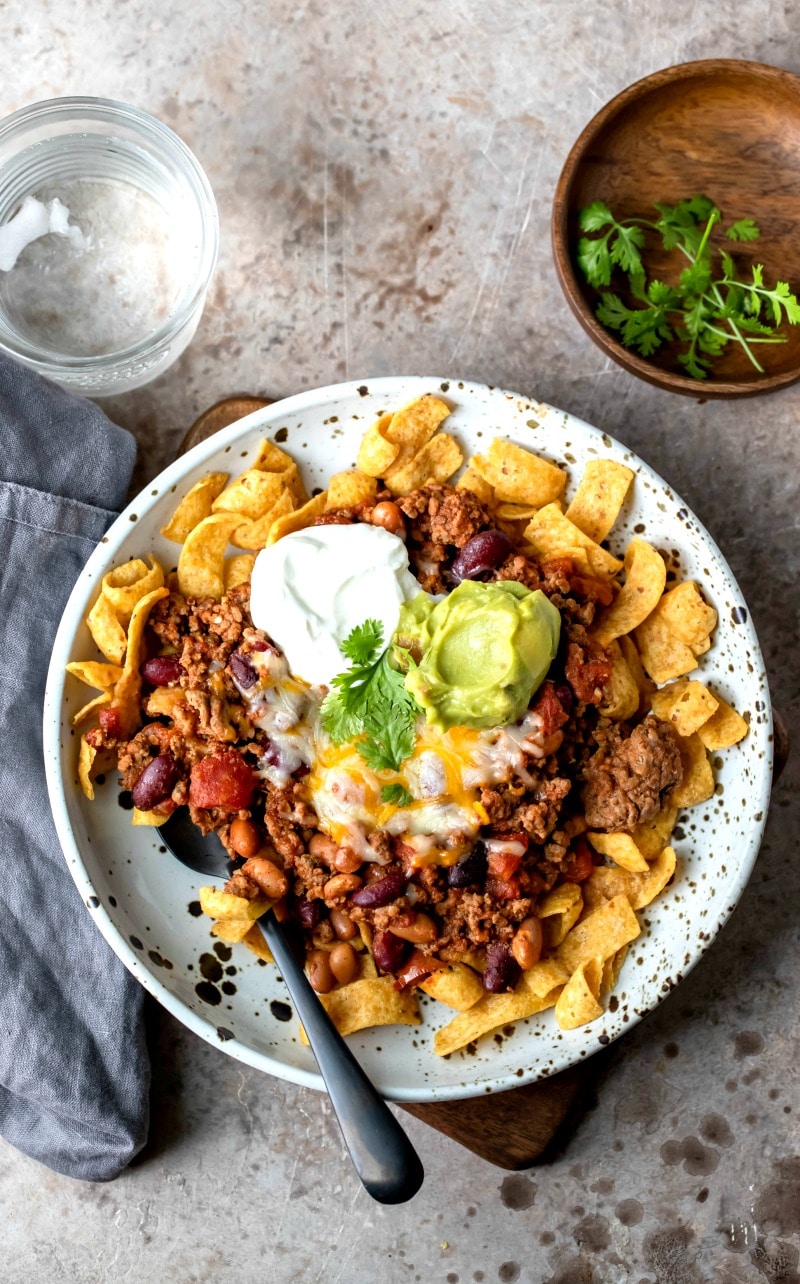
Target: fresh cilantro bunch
[(710, 307), (369, 703)]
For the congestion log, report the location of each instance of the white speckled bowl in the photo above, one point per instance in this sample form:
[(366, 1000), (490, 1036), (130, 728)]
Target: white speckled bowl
[(140, 897)]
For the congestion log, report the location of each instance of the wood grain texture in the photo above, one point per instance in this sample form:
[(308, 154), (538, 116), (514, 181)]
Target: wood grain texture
[(518, 1128), (727, 128)]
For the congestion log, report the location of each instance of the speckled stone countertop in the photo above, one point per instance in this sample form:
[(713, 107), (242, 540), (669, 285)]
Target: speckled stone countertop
[(384, 174)]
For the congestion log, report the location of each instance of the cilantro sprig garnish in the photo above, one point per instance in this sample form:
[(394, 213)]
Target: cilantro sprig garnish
[(396, 794), (709, 307), (369, 704)]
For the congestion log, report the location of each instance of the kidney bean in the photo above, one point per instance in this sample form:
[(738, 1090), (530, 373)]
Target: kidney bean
[(579, 862), (162, 670), (564, 695), (382, 892), (244, 672), (389, 951), (502, 969), (484, 552), (245, 838), (271, 754), (111, 722), (344, 962), (470, 870), (156, 782), (311, 913)]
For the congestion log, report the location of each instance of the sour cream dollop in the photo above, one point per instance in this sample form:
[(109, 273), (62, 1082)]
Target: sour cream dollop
[(309, 590)]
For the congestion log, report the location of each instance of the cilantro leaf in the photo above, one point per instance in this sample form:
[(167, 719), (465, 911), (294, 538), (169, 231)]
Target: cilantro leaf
[(365, 643), (594, 260), (595, 217), (744, 229), (696, 278), (396, 794), (625, 248), (368, 703), (663, 295), (704, 311), (697, 367), (642, 328)]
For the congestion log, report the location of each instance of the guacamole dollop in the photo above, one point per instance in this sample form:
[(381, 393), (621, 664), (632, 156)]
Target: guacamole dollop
[(485, 650)]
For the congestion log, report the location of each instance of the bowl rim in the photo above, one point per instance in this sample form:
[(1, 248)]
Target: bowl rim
[(567, 277), (57, 784)]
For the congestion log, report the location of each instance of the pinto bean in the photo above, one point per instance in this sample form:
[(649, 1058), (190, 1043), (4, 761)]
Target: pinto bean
[(319, 971), (342, 924), (340, 885), (344, 962), (346, 861), (389, 516), (419, 929), (272, 881), (245, 838), (527, 943), (324, 849)]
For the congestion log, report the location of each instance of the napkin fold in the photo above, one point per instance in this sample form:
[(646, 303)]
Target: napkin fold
[(74, 1072)]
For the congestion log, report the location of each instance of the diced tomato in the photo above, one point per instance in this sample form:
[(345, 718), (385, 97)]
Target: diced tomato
[(595, 590), (222, 780), (503, 889), (111, 722), (586, 672), (417, 968), (502, 865), (579, 863), (558, 566), (549, 708)]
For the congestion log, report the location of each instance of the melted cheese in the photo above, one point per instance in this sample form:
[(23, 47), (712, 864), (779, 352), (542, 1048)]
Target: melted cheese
[(444, 774)]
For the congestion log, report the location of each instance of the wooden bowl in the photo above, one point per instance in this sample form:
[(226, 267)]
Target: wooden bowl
[(729, 129)]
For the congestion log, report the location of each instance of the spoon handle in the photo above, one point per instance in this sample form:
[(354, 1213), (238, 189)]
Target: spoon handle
[(384, 1158)]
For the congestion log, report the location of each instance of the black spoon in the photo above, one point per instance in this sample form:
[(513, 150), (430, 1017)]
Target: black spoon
[(385, 1160)]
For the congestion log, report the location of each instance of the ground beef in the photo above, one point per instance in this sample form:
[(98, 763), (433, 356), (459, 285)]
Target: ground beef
[(627, 779), (283, 823), (498, 804), (470, 919), (441, 520), (540, 817), (218, 624), (519, 568)]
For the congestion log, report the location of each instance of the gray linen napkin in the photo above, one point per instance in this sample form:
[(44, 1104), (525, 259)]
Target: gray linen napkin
[(74, 1074)]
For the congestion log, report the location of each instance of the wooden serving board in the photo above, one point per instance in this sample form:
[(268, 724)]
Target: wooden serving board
[(525, 1125)]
